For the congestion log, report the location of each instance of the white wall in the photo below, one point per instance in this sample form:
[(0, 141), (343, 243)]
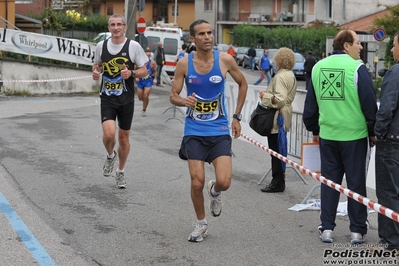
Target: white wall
[(57, 80), (355, 9)]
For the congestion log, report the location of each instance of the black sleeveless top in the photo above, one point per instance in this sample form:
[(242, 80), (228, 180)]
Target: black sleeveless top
[(114, 88)]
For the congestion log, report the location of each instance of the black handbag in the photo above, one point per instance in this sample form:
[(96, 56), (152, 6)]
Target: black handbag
[(262, 119)]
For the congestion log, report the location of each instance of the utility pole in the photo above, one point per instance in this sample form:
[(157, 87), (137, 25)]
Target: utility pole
[(175, 11), (131, 9)]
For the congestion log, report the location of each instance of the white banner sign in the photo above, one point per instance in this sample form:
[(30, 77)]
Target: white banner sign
[(47, 46)]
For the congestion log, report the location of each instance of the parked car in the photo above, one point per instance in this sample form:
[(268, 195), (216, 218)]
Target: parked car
[(299, 70), (241, 51), (102, 36), (245, 62), (223, 47)]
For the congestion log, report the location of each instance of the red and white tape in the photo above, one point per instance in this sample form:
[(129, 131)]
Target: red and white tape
[(45, 80), (359, 198)]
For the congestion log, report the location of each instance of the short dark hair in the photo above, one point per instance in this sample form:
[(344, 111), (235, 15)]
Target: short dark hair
[(396, 36), (195, 23), (184, 46), (341, 38)]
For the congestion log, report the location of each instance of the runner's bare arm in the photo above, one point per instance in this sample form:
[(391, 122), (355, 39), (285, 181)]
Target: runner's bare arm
[(178, 83), (154, 69), (141, 72), (230, 65)]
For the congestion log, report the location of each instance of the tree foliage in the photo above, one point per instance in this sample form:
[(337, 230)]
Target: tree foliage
[(72, 19), (390, 25), (298, 39), (51, 19)]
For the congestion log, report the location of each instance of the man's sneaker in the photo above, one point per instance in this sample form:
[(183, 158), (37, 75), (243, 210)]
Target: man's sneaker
[(143, 114), (357, 238), (109, 165), (215, 202), (200, 231), (326, 236), (120, 180)]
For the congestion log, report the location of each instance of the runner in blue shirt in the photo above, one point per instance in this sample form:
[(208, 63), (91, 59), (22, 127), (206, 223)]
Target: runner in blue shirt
[(206, 130)]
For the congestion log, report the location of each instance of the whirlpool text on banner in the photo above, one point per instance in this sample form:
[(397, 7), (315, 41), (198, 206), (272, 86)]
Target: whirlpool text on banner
[(47, 46)]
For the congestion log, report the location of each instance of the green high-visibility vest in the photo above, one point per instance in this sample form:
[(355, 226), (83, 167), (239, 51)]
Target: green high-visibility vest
[(335, 83)]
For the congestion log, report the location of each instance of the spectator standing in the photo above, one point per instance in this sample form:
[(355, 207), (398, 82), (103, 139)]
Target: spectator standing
[(116, 59), (265, 67), (387, 152), (280, 95), (251, 54), (231, 51), (159, 56), (206, 128), (308, 66), (340, 109)]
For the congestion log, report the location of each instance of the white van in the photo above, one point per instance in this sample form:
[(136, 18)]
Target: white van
[(172, 38)]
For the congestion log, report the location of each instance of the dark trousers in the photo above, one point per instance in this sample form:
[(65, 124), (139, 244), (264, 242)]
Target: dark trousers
[(387, 189), (159, 72), (308, 78), (277, 168), (339, 158)]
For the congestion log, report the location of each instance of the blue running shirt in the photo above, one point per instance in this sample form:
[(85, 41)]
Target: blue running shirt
[(209, 115)]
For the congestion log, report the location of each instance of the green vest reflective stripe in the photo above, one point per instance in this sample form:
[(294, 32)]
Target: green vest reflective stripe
[(334, 80)]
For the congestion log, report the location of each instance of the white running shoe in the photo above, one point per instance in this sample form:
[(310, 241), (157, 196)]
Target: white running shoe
[(120, 180), (200, 231), (357, 238), (215, 202), (109, 165), (326, 236), (143, 114)]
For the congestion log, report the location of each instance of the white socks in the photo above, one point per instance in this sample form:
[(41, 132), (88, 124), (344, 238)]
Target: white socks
[(203, 221), (213, 192)]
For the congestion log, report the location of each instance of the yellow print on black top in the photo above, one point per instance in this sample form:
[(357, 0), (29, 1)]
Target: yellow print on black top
[(113, 83), (206, 109), (332, 84)]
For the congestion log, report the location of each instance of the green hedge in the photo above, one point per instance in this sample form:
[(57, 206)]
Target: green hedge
[(298, 39)]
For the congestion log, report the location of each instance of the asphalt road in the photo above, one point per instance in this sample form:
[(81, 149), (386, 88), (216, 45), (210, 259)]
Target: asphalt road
[(58, 209)]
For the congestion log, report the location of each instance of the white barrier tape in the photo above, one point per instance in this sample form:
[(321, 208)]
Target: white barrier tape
[(45, 80), (359, 198)]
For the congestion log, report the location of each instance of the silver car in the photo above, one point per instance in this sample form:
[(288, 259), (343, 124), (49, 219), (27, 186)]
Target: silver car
[(245, 62), (241, 51)]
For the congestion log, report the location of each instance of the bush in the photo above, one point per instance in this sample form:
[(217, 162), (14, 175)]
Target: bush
[(72, 19), (297, 39)]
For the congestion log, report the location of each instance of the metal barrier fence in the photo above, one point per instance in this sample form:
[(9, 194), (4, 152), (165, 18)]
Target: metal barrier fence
[(297, 135)]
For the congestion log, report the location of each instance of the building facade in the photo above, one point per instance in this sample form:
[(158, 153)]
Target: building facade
[(155, 10), (225, 14)]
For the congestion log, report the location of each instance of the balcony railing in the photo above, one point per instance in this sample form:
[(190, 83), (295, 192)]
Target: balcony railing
[(247, 16)]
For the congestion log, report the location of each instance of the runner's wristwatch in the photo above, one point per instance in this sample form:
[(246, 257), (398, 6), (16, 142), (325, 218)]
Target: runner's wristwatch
[(237, 116)]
